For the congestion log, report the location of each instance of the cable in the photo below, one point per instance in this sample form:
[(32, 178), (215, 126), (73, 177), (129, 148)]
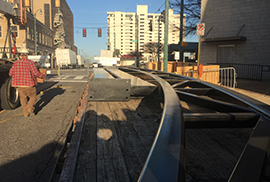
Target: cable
[(10, 118), (160, 7)]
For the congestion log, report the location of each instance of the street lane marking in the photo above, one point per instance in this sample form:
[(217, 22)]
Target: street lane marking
[(65, 77), (78, 77)]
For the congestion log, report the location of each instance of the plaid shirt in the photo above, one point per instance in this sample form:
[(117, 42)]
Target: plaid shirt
[(24, 73)]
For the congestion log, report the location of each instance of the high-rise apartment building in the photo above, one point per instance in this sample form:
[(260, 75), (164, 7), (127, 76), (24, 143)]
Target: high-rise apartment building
[(122, 29)]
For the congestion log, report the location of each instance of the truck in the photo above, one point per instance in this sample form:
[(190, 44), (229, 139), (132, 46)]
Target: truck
[(9, 96), (107, 61), (66, 58), (80, 60), (40, 60)]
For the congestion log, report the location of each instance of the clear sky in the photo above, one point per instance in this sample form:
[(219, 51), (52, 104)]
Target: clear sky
[(92, 14)]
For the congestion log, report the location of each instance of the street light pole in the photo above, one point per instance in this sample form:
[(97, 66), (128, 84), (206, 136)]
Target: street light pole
[(181, 32), (165, 60), (35, 29), (137, 45)]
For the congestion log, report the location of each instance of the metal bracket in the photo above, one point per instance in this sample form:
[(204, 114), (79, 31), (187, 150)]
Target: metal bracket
[(101, 89)]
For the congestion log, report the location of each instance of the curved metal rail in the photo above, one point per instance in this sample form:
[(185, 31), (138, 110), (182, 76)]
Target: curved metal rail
[(234, 110), (166, 159)]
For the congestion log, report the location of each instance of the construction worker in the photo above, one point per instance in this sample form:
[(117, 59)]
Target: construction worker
[(24, 75)]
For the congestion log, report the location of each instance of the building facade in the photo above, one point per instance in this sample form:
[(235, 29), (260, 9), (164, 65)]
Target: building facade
[(122, 29), (237, 32), (45, 32)]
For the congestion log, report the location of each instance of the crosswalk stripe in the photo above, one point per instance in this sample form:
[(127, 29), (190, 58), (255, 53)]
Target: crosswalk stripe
[(65, 77), (78, 77)]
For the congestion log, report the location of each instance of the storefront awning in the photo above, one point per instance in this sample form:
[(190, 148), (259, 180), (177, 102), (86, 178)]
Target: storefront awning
[(224, 39)]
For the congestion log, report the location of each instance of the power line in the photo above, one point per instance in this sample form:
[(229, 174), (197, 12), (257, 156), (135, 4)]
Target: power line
[(160, 7)]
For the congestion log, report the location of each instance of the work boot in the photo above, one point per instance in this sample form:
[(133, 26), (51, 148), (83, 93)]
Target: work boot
[(30, 113)]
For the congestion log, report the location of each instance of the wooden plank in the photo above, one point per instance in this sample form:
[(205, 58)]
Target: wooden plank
[(133, 152), (212, 153), (86, 163), (110, 162), (69, 166)]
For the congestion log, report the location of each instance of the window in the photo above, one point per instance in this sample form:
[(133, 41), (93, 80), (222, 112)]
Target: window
[(28, 33), (32, 34), (0, 31), (14, 30), (43, 39), (39, 36)]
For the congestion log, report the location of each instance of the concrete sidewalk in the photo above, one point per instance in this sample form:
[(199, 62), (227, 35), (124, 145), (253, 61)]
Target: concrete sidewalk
[(259, 90)]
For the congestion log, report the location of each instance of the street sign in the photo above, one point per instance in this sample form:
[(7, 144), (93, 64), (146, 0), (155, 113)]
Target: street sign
[(176, 55), (134, 40), (200, 29), (184, 44)]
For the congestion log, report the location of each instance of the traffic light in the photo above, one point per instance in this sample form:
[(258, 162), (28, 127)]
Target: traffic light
[(84, 32), (163, 16), (99, 32), (151, 25)]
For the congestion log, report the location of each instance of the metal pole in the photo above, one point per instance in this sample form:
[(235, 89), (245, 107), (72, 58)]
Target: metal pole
[(166, 35), (10, 34), (137, 46), (158, 37), (199, 51), (35, 30), (181, 31), (58, 39)]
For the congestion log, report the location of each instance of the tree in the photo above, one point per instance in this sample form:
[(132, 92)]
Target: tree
[(152, 48), (117, 53), (132, 53), (192, 9)]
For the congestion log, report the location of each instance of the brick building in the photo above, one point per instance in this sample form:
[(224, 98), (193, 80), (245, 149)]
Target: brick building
[(237, 32), (46, 32)]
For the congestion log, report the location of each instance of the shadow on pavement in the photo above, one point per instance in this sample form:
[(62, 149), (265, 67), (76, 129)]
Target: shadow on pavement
[(36, 166), (46, 97), (260, 87)]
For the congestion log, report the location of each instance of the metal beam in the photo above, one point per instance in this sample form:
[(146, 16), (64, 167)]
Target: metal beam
[(220, 120), (6, 8), (166, 159), (209, 103), (251, 165)]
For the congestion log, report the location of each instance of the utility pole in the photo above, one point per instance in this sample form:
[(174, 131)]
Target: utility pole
[(181, 31), (137, 46), (158, 37), (35, 31), (165, 60)]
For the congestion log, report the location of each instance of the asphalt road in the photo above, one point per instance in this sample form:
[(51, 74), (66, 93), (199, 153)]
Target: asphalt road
[(30, 146)]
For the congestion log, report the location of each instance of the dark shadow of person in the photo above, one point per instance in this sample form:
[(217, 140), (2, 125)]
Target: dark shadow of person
[(47, 97)]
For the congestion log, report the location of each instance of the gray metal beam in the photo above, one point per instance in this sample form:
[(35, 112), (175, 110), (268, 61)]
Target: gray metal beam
[(139, 87), (251, 165), (220, 120), (166, 159), (6, 8)]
